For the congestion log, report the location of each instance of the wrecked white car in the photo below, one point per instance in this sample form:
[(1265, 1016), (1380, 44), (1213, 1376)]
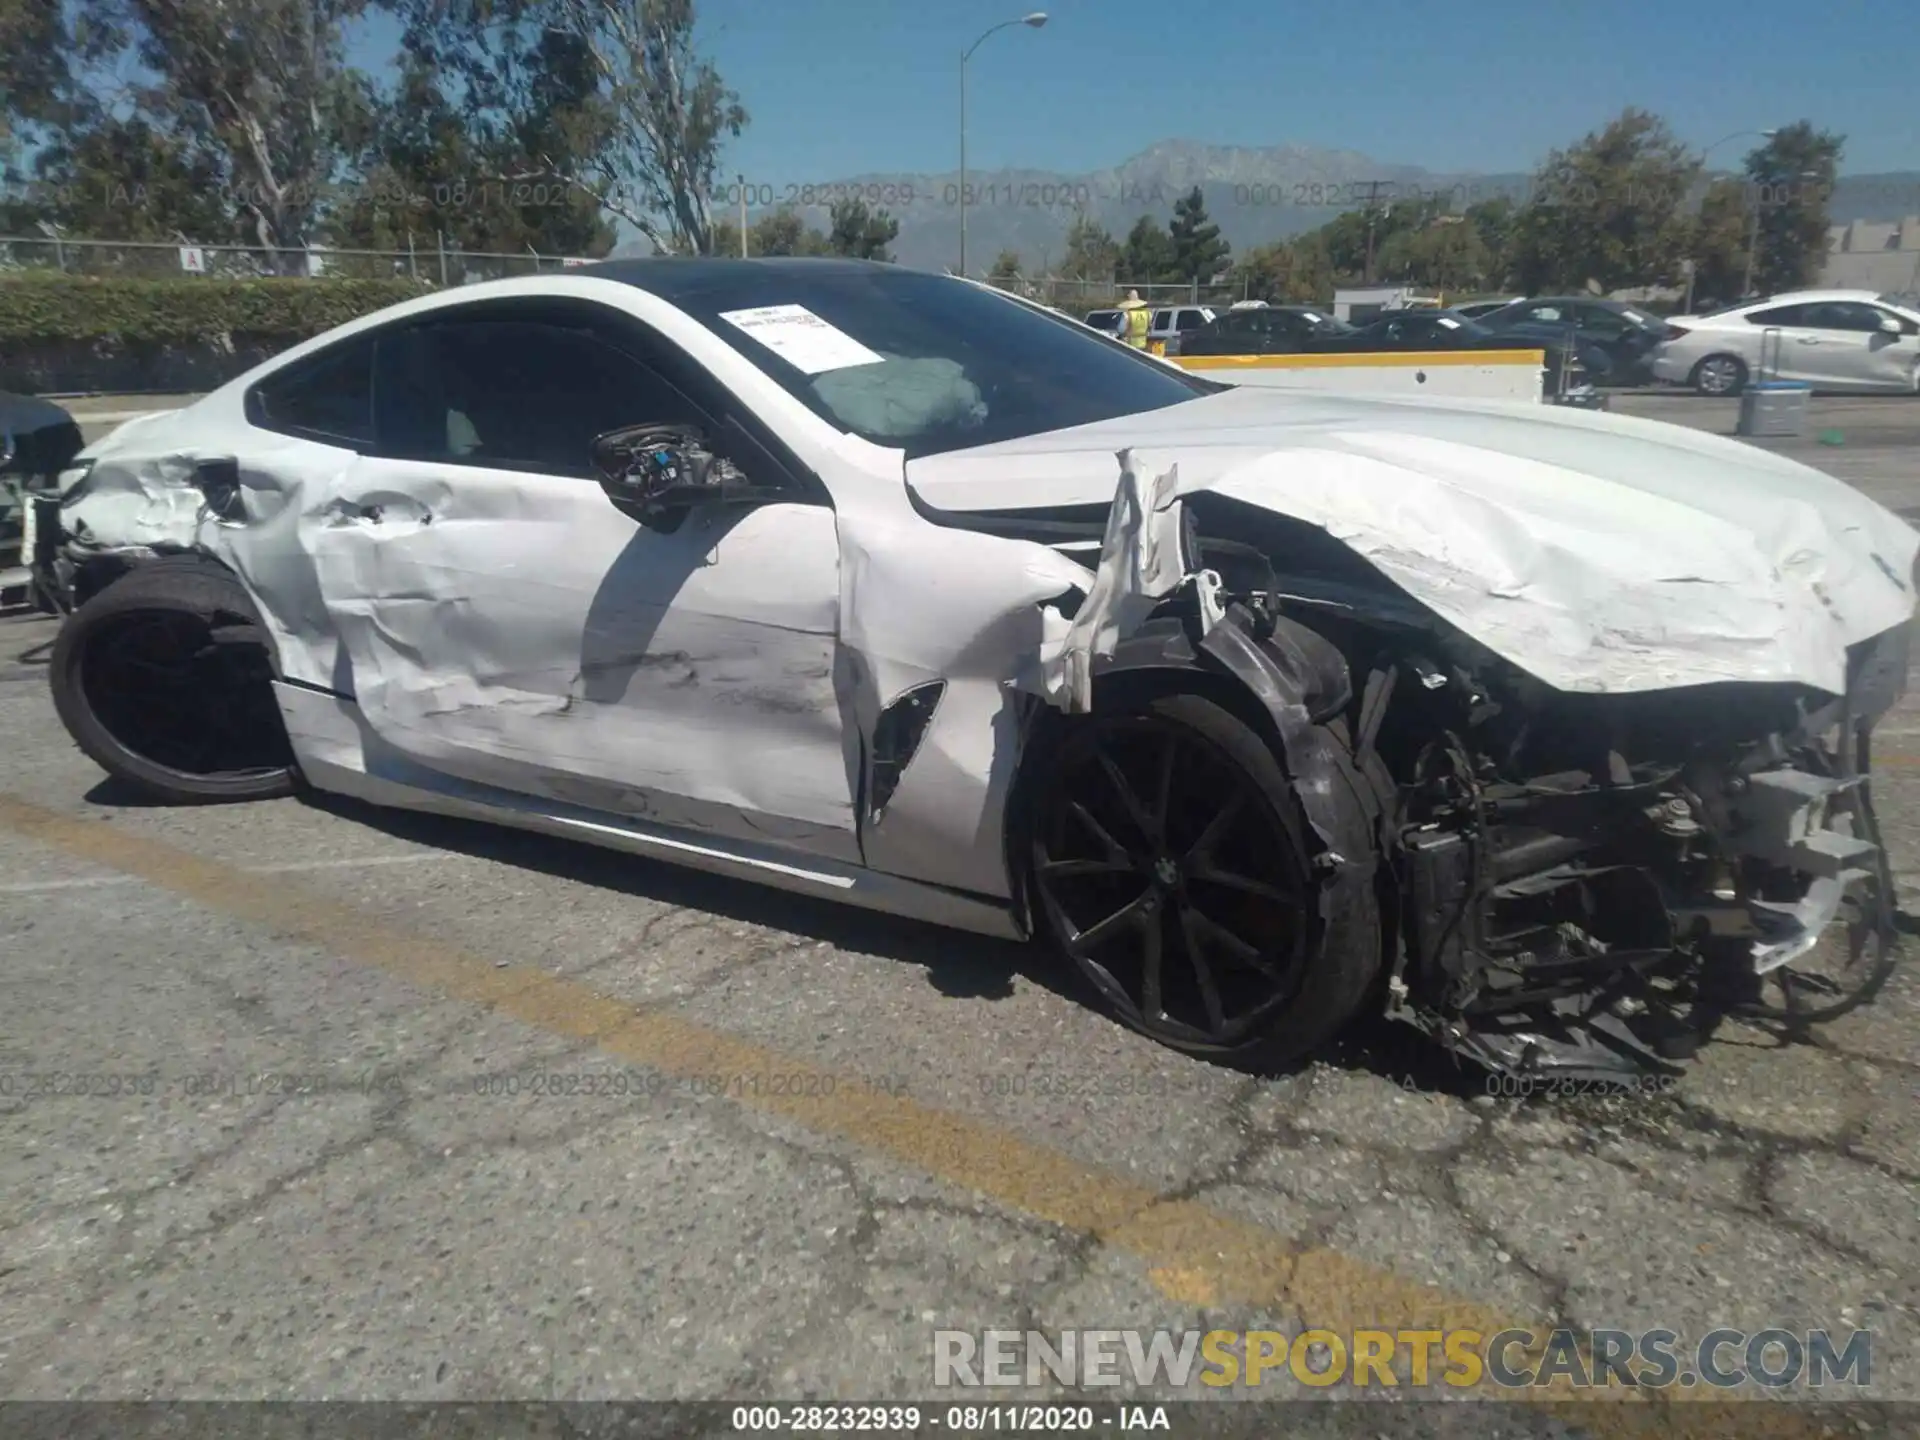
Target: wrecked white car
[(1545, 731)]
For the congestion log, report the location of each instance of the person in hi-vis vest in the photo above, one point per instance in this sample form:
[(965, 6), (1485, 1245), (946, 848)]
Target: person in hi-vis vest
[(1135, 319)]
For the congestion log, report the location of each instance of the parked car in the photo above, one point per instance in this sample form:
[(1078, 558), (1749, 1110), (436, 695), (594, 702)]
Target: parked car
[(1262, 708), (1842, 341), (37, 439), (1564, 381), (1593, 358), (1173, 324), (1626, 332), (1108, 322), (1269, 330)]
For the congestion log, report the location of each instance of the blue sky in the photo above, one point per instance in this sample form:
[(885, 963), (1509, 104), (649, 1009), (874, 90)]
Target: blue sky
[(838, 87)]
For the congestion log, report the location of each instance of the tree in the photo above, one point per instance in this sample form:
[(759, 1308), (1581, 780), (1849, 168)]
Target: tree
[(1148, 257), (436, 166), (1792, 176), (1198, 251), (269, 104), (123, 179), (1092, 253), (1608, 210), (46, 90), (1262, 273), (1350, 237), (1492, 220), (783, 232), (668, 115), (1718, 245), (1446, 254), (864, 234), (607, 96), (1006, 266)]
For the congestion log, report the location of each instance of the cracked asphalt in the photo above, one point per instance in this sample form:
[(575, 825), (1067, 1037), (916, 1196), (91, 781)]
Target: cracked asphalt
[(395, 1107)]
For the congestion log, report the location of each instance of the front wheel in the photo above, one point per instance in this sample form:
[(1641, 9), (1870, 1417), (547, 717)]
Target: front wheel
[(1169, 861), (165, 681)]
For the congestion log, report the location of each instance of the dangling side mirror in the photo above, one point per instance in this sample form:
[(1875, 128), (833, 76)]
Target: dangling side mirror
[(657, 474)]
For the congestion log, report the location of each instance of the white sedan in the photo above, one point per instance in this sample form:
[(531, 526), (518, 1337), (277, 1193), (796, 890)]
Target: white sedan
[(1263, 709), (1842, 341)]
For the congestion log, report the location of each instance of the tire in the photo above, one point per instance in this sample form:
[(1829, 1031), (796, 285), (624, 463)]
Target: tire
[(1706, 380), (1307, 975), (193, 720)]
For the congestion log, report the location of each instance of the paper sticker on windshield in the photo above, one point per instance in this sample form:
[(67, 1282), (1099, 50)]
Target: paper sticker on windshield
[(801, 338)]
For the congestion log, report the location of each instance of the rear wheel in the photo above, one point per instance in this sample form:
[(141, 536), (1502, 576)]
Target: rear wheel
[(164, 679), (1720, 375), (1169, 861)]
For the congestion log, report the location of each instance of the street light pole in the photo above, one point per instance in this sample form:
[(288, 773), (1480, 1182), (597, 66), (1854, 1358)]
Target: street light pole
[(1035, 20), (1753, 236)]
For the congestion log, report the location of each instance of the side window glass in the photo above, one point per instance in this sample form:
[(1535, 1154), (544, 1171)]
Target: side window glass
[(1191, 319), (1781, 315), (513, 395), (1602, 324), (328, 398), (1162, 319), (1849, 315)]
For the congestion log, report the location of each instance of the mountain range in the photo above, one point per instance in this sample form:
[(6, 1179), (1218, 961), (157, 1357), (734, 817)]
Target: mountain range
[(1254, 194)]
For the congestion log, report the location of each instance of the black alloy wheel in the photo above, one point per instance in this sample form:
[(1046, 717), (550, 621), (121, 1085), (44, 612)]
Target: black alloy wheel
[(1175, 879), (166, 685), (165, 678)]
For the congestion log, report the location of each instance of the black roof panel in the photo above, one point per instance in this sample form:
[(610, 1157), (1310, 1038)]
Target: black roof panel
[(673, 277)]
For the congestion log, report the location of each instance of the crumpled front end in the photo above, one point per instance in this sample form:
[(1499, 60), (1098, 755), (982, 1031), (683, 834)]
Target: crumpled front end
[(1588, 885), (1580, 886)]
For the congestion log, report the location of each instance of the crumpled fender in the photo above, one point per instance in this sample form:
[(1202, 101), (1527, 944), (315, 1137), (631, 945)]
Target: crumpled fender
[(1143, 560)]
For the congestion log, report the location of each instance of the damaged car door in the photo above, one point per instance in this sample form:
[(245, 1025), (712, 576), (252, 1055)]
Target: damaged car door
[(506, 625)]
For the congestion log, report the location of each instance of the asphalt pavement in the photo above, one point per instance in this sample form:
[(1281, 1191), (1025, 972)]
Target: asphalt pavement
[(308, 1100)]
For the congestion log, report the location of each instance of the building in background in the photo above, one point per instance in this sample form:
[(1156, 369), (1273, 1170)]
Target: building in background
[(1882, 256)]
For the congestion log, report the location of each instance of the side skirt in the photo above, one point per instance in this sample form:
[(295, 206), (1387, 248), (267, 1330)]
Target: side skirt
[(340, 754)]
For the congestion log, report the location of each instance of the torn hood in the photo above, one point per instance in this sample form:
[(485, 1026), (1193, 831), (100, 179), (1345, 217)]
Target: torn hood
[(1599, 553)]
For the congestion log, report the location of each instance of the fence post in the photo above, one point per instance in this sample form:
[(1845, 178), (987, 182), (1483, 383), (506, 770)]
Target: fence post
[(440, 239)]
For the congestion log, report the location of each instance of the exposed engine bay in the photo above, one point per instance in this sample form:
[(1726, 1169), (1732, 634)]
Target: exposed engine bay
[(1578, 886)]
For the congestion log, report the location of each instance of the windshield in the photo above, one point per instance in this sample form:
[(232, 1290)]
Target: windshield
[(923, 362)]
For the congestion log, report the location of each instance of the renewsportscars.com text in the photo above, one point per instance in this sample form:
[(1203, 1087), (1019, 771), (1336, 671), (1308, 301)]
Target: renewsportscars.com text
[(1721, 1359)]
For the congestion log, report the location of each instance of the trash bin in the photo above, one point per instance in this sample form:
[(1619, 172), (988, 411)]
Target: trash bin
[(1774, 408), (1770, 406)]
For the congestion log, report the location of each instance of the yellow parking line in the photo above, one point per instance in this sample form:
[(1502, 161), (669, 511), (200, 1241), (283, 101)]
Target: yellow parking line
[(1195, 1254)]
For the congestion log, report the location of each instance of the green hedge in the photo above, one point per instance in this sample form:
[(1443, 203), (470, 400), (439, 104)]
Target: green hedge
[(36, 307)]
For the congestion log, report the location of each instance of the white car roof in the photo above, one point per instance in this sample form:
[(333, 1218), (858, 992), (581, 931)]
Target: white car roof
[(1810, 297)]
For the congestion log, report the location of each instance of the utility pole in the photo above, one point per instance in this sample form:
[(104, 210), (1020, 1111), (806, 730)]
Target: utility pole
[(1373, 195), (741, 181)]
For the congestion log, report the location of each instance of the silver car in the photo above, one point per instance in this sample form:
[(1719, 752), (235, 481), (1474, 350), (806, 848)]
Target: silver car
[(1834, 340)]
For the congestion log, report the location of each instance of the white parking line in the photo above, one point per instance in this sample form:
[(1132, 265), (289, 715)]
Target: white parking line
[(294, 867)]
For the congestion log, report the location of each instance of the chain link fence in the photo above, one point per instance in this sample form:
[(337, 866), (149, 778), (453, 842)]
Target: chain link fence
[(440, 264), (434, 262)]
